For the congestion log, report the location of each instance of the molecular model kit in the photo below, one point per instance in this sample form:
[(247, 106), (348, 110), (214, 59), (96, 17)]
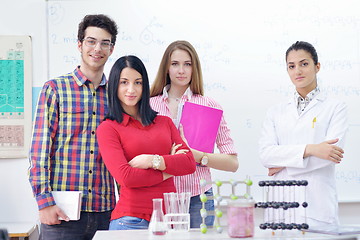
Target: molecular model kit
[(218, 198), (284, 202)]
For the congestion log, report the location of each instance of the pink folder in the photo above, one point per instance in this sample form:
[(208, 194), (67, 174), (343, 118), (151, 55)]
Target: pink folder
[(201, 125)]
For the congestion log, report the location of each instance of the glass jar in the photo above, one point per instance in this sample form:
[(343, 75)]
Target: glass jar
[(157, 225), (240, 215)]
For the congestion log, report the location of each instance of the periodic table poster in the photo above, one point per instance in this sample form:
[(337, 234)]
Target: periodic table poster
[(15, 96)]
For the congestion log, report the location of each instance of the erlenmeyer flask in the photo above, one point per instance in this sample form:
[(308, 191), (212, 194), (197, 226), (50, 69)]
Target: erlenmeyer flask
[(157, 225)]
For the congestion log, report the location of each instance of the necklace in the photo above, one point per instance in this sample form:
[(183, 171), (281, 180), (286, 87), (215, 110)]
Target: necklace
[(175, 98)]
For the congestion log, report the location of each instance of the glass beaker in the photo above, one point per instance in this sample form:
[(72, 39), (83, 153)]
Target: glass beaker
[(157, 225), (240, 215)]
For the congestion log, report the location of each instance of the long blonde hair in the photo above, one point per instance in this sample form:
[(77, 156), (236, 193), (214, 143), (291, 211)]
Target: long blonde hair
[(163, 78)]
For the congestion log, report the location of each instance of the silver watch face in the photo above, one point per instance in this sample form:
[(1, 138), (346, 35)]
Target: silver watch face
[(156, 162), (204, 160)]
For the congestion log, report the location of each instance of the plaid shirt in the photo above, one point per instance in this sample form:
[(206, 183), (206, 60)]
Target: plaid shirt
[(64, 153)]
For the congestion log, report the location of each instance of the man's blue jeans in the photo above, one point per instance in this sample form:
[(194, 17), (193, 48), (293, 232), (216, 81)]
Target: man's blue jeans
[(83, 229)]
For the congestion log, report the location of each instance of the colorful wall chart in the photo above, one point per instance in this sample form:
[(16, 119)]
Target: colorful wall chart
[(15, 96)]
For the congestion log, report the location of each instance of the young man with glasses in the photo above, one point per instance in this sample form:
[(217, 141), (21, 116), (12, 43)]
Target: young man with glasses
[(64, 153)]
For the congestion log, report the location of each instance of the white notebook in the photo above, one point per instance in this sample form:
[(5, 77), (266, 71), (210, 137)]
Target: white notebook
[(69, 202)]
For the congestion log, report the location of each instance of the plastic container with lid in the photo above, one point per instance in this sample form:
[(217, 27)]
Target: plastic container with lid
[(240, 215)]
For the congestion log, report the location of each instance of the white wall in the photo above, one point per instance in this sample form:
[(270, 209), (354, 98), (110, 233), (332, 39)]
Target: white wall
[(28, 17), (16, 202), (22, 17)]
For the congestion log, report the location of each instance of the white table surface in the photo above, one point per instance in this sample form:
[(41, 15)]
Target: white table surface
[(18, 229), (196, 234)]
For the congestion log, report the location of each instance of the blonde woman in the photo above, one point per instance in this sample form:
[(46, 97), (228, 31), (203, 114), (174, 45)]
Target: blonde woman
[(179, 79)]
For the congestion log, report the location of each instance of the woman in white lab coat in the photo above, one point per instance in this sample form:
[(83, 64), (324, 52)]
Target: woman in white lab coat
[(302, 139)]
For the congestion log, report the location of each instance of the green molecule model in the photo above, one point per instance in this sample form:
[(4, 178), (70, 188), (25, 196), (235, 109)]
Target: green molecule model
[(218, 213), (233, 182), (248, 182), (203, 213), (203, 198), (203, 228), (218, 183), (219, 229), (202, 182), (218, 197), (233, 197)]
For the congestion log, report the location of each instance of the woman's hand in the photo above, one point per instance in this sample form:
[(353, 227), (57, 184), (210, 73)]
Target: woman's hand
[(166, 176), (181, 131), (175, 151), (325, 150), (197, 154), (273, 171), (143, 161)]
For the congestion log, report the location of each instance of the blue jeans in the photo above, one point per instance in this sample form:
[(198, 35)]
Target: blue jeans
[(83, 229), (128, 223), (196, 205)]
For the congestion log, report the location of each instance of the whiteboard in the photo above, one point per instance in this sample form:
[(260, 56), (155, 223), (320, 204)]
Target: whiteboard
[(241, 45)]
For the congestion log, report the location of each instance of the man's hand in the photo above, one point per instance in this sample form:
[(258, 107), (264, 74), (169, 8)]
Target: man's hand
[(50, 215)]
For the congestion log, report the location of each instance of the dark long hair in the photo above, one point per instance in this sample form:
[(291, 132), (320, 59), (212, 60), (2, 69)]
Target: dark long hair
[(301, 45), (116, 111)]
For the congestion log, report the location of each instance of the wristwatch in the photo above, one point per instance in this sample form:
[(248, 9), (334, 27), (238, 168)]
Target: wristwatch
[(204, 160), (156, 162)]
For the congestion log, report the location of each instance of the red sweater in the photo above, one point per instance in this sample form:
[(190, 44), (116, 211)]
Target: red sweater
[(121, 142)]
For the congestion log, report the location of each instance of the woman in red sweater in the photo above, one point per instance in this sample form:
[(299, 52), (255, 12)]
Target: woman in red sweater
[(136, 146)]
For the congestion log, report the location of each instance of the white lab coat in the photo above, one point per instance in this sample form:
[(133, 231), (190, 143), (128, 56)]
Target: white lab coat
[(282, 144)]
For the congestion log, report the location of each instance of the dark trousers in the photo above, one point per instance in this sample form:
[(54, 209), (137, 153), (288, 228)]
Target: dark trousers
[(83, 229)]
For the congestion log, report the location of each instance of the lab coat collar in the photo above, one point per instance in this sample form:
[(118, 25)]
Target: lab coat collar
[(319, 98)]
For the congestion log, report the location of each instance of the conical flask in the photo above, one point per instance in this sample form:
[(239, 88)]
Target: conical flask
[(157, 225)]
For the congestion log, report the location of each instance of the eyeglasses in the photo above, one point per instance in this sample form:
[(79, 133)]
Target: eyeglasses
[(104, 45)]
